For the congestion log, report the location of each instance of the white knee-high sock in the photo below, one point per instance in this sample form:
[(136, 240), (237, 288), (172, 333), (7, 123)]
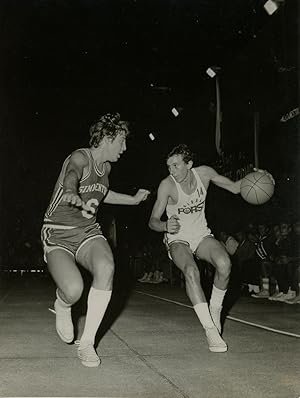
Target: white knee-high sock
[(96, 306), (215, 305), (217, 297), (203, 314)]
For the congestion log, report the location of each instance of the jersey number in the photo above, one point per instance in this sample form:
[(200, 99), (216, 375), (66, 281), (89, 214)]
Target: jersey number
[(89, 208)]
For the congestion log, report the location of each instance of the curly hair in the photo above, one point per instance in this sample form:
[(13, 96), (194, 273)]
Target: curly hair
[(108, 125), (184, 151)]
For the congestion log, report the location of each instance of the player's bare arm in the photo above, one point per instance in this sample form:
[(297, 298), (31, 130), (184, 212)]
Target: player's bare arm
[(208, 174), (171, 225), (74, 172), (116, 198)]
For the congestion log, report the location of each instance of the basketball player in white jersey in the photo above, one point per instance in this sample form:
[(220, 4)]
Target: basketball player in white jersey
[(182, 195), (71, 234)]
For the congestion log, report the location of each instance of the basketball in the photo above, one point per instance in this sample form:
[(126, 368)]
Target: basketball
[(257, 188)]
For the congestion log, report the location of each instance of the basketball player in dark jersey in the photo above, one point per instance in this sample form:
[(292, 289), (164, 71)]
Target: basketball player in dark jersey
[(182, 195), (71, 234)]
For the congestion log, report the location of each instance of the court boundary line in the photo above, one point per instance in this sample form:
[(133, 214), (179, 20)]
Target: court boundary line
[(257, 325)]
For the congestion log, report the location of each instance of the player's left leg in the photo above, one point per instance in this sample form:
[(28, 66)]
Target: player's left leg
[(95, 256), (211, 251)]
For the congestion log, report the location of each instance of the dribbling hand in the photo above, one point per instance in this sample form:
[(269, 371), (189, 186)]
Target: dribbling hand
[(173, 225), (265, 172)]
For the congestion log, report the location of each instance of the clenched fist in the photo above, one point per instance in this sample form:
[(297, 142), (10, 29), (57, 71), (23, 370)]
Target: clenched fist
[(173, 225)]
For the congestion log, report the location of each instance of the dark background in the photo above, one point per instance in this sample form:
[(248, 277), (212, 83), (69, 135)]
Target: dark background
[(63, 63)]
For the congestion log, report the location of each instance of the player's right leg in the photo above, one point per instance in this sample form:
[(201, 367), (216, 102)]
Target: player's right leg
[(64, 271), (183, 258)]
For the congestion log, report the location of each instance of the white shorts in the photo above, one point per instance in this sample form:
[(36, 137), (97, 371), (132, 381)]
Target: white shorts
[(193, 242)]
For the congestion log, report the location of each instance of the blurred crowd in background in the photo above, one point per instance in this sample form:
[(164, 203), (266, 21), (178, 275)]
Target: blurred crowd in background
[(265, 262)]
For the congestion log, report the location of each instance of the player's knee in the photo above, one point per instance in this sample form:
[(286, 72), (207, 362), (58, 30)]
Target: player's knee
[(73, 291), (223, 265)]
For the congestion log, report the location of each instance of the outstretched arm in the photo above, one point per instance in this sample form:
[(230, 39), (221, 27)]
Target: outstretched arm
[(116, 198), (226, 183), (229, 185), (221, 181)]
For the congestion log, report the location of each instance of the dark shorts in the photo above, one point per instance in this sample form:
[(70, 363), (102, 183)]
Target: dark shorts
[(69, 239)]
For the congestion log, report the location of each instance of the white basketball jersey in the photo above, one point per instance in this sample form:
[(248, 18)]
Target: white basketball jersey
[(190, 209)]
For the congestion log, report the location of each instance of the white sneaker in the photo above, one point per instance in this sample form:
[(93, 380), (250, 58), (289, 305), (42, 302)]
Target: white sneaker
[(295, 300), (155, 277), (291, 294), (261, 294), (275, 296), (149, 278), (215, 341), (158, 277), (287, 296), (63, 323), (215, 313), (143, 278), (87, 354)]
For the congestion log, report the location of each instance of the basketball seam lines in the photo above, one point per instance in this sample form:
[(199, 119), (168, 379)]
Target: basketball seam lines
[(245, 178), (266, 183), (256, 197), (256, 180), (249, 192), (254, 185), (264, 191), (245, 186)]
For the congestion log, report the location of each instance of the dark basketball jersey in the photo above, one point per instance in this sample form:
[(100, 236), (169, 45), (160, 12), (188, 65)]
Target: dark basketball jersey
[(92, 188)]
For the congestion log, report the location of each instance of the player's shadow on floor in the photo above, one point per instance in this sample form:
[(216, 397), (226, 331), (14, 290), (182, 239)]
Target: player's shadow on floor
[(123, 285), (234, 290)]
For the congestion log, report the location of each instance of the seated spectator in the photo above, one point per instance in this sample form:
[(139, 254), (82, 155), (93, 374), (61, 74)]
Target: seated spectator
[(144, 254), (252, 276), (283, 258), (294, 265), (262, 245), (153, 263), (244, 261)]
